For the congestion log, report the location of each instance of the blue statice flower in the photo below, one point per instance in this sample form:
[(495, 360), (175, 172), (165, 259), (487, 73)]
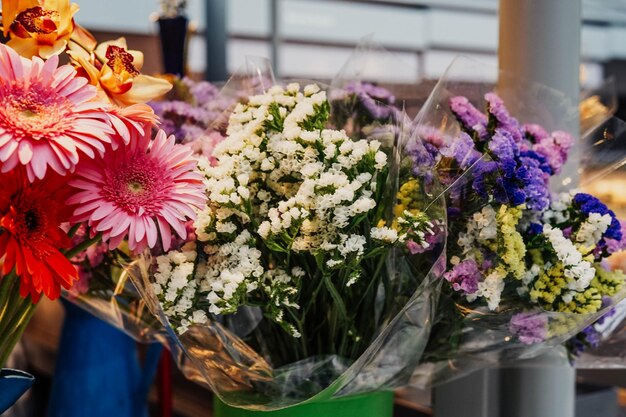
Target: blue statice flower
[(542, 161), (535, 229), (536, 182), (590, 204), (589, 337)]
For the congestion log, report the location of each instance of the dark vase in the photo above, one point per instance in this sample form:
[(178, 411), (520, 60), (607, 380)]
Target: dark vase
[(13, 384), (98, 372), (173, 32)]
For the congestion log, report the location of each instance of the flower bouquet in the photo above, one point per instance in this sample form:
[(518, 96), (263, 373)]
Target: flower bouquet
[(315, 262), (526, 267), (600, 345), (79, 170)]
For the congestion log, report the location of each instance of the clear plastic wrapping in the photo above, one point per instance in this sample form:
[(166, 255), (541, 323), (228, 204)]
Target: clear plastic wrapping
[(468, 334), (355, 334)]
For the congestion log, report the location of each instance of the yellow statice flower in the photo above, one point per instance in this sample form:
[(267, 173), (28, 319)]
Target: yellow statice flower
[(550, 284), (586, 302), (512, 250), (563, 324), (608, 283), (406, 200)]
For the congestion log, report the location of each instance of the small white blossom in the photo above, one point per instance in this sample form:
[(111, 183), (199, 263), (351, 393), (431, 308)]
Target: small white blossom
[(384, 234)]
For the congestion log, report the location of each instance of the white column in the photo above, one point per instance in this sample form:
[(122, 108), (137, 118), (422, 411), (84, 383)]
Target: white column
[(540, 42)]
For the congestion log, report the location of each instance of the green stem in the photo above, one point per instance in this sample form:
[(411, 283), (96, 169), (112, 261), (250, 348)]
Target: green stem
[(74, 229), (82, 246), (6, 283), (12, 315), (21, 320), (13, 306)]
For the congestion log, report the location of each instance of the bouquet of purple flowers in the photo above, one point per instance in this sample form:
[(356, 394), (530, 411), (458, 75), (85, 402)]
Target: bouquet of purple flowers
[(526, 267)]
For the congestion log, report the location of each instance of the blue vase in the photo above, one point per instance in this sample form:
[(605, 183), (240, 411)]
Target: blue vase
[(98, 372), (13, 384)]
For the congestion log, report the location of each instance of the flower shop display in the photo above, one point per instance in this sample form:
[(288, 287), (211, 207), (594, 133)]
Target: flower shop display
[(79, 168), (309, 273), (301, 249), (526, 267), (192, 112)]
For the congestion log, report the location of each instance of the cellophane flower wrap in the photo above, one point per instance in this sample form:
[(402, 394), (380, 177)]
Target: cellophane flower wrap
[(600, 345), (526, 265), (317, 257), (87, 178), (192, 116)]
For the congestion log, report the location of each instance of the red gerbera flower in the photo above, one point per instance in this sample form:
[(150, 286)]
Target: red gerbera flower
[(30, 236)]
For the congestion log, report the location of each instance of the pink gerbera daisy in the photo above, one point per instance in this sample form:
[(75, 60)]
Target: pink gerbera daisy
[(47, 117), (131, 122), (136, 188)]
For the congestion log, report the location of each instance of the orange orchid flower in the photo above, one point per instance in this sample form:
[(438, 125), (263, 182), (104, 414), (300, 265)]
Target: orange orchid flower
[(38, 27), (115, 70)]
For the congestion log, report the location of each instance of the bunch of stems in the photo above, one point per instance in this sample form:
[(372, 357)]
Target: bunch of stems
[(15, 313)]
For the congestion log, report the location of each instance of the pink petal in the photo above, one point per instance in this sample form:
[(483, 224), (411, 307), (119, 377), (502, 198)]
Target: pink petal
[(25, 152), (151, 232), (166, 233), (104, 210)]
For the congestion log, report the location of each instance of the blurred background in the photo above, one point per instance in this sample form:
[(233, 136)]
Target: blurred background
[(313, 39)]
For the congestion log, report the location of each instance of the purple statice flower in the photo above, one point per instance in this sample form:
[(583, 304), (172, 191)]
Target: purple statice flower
[(453, 213), (590, 204), (484, 174), (462, 150), (431, 136), (423, 158), (464, 277), (522, 173), (502, 180), (589, 337), (536, 184), (503, 146), (471, 119), (617, 245), (612, 245), (535, 133), (606, 303), (195, 107), (529, 328), (567, 232), (202, 92), (377, 102), (373, 91), (500, 118), (544, 165), (592, 336), (554, 148)]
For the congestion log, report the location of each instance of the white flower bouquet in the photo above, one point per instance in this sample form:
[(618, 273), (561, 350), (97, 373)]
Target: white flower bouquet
[(315, 260)]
